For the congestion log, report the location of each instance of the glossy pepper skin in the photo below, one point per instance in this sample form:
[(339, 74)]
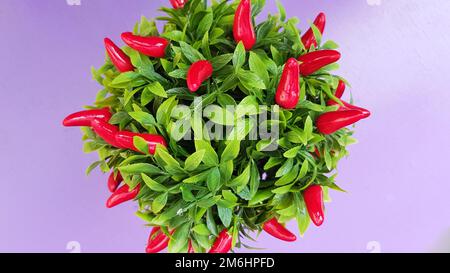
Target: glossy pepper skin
[(150, 46), (125, 140), (243, 30), (114, 181), (340, 89), (84, 118), (313, 61), (157, 241), (313, 197), (121, 195), (288, 91), (222, 243), (277, 230), (331, 122), (308, 38), (198, 73), (106, 131), (178, 4), (347, 106), (120, 60), (190, 248)]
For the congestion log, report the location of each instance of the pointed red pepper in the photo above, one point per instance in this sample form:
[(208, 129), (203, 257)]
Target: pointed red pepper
[(190, 248), (125, 140), (114, 181), (84, 118), (317, 152), (106, 131), (340, 89), (277, 230), (313, 61), (288, 91), (308, 38), (122, 195), (331, 122), (243, 29), (313, 197), (178, 4), (150, 46), (222, 243), (348, 106), (157, 241), (120, 60), (198, 73)]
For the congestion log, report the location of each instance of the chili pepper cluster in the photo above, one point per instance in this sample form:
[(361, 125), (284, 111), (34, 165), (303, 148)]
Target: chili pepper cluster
[(311, 63)]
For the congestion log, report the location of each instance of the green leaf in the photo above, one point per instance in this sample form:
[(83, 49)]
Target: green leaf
[(165, 110), (194, 160), (304, 169), (152, 184), (140, 168), (231, 151), (205, 24), (210, 158), (281, 10), (159, 203), (201, 229), (141, 144), (208, 202), (210, 223), (197, 178), (260, 196), (228, 195), (157, 89), (292, 153), (192, 54), (239, 56), (283, 190), (179, 239), (225, 215), (250, 80), (143, 118), (258, 67), (242, 179), (285, 168), (289, 177), (213, 180), (187, 194), (220, 61)]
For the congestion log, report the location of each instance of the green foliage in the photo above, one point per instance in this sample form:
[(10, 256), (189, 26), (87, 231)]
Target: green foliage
[(200, 187)]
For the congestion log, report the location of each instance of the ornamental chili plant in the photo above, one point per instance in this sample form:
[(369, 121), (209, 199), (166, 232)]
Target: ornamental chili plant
[(212, 66)]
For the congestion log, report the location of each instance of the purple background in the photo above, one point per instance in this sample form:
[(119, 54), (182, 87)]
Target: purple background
[(395, 55)]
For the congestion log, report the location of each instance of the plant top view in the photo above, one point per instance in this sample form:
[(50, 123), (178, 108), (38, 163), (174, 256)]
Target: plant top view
[(220, 126)]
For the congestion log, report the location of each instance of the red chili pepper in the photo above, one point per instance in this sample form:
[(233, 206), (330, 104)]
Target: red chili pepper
[(114, 181), (340, 89), (120, 60), (122, 195), (178, 4), (331, 122), (190, 248), (84, 118), (313, 61), (106, 131), (150, 46), (198, 73), (222, 243), (317, 152), (157, 241), (348, 106), (277, 230), (308, 38), (125, 140), (313, 197), (243, 29), (288, 91)]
